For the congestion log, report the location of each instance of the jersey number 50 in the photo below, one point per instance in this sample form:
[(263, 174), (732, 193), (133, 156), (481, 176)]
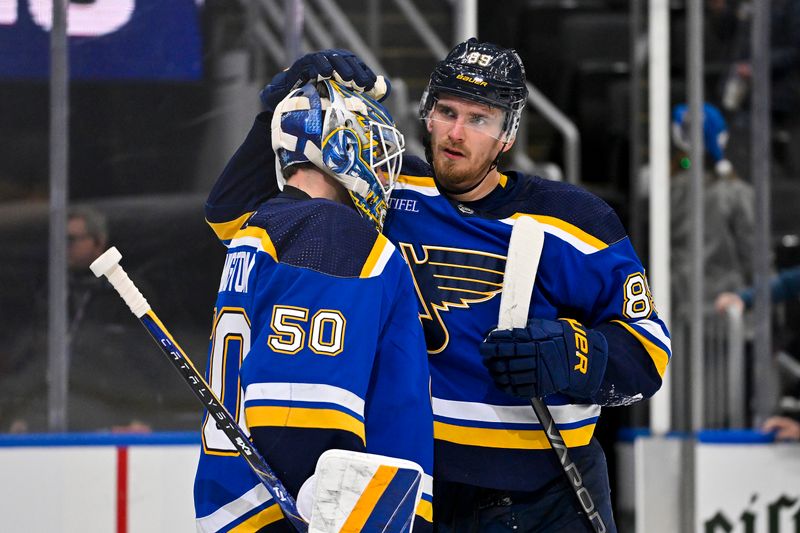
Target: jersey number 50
[(230, 344), (326, 330)]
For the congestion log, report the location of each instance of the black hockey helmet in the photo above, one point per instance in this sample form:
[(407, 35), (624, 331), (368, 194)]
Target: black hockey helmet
[(483, 72)]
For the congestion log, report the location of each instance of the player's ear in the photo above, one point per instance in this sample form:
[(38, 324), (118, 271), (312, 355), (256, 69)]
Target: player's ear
[(428, 125), (507, 146)]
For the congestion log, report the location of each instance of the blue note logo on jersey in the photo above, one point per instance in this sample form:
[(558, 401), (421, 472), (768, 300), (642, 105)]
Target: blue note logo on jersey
[(451, 278)]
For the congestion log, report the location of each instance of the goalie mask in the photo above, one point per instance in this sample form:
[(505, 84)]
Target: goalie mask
[(346, 135), (482, 72)]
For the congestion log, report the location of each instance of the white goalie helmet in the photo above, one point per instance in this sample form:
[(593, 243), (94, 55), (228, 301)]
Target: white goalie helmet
[(345, 134)]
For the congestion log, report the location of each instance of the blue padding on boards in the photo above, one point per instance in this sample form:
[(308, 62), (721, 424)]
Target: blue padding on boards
[(166, 438), (631, 434), (734, 436)]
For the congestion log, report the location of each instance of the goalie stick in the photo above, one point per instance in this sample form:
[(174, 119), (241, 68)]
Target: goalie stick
[(522, 263), (108, 265)]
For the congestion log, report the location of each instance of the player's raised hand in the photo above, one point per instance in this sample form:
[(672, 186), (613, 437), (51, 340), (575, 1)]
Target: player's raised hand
[(342, 65), (545, 357)]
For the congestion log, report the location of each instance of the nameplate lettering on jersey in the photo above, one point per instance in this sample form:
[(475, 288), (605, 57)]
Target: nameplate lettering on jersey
[(236, 271), (403, 204)]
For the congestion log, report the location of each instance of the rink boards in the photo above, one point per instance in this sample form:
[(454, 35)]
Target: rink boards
[(143, 484), (98, 483), (720, 482)]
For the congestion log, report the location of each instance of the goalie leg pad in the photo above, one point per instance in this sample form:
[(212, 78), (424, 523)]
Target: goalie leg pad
[(364, 492)]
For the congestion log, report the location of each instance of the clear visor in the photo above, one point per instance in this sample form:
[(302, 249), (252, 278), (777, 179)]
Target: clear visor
[(489, 121), (386, 158)]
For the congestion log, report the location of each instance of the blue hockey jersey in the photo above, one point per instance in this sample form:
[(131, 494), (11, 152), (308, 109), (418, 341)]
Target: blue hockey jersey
[(316, 345), (589, 272)]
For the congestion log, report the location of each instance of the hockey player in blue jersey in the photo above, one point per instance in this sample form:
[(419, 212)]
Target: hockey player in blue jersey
[(594, 338), (316, 343)]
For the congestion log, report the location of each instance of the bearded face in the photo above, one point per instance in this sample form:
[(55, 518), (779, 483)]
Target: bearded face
[(465, 140)]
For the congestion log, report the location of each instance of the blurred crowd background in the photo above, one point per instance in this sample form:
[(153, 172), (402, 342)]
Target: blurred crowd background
[(162, 92)]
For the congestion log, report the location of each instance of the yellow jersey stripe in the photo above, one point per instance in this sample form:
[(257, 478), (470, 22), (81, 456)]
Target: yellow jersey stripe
[(303, 417), (377, 257), (521, 439), (419, 181), (226, 230), (369, 497), (268, 516), (427, 181), (260, 235), (566, 227), (657, 354), (425, 510), (305, 392)]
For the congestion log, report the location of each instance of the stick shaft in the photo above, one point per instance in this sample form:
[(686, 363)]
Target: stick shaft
[(522, 264), (567, 465), (109, 267), (223, 418)]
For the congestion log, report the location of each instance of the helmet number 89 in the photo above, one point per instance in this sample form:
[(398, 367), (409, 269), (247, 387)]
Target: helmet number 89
[(638, 300), (476, 57)]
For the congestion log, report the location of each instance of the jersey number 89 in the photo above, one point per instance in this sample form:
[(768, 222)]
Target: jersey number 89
[(638, 300)]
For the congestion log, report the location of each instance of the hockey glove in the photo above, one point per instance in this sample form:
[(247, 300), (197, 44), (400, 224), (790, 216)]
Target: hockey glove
[(342, 65), (545, 357)]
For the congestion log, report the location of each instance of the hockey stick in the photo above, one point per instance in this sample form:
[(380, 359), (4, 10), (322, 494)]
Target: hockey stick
[(522, 263), (108, 265)]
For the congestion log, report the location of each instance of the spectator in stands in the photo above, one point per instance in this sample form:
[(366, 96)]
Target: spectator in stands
[(729, 212), (732, 18), (115, 382), (785, 428), (783, 287)]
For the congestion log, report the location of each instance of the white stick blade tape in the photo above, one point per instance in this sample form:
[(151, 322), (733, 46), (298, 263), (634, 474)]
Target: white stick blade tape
[(108, 265), (103, 264), (522, 263), (364, 492)]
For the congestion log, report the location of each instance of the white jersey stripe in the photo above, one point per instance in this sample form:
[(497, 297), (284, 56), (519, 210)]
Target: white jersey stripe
[(654, 330), (565, 236), (305, 392), (383, 259), (568, 237), (510, 414), (253, 242), (427, 484), (253, 498)]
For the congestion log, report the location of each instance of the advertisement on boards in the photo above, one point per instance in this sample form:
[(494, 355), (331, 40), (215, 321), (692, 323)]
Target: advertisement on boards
[(747, 488)]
